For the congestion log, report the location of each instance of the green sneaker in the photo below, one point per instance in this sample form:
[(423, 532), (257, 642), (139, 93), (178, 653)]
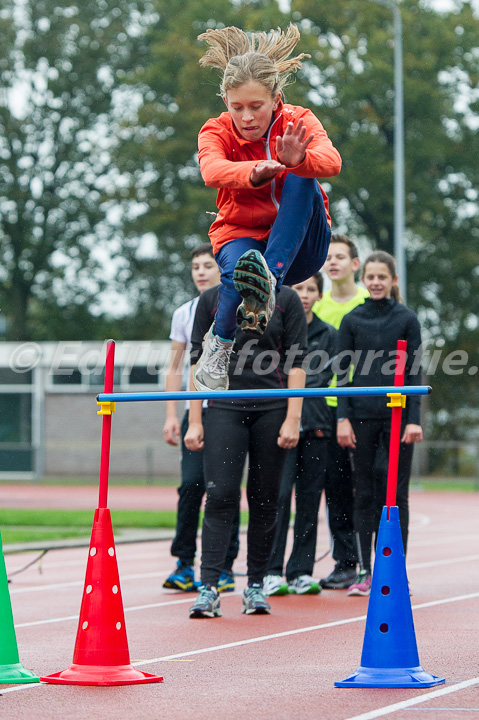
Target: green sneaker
[(304, 585), (274, 585)]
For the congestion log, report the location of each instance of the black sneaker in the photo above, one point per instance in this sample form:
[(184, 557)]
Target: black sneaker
[(339, 579), (207, 604), (254, 601)]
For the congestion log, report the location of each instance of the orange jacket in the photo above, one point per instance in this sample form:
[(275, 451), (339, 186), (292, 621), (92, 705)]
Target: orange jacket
[(227, 159)]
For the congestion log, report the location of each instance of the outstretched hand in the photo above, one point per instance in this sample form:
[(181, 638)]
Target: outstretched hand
[(291, 148)]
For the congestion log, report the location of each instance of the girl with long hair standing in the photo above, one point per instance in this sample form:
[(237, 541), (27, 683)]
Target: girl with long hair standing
[(367, 342)]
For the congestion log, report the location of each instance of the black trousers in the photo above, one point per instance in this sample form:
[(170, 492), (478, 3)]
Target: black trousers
[(304, 469), (190, 496), (339, 503), (370, 470), (231, 434)]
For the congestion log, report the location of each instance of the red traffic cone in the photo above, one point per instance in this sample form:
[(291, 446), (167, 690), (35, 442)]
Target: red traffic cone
[(101, 655)]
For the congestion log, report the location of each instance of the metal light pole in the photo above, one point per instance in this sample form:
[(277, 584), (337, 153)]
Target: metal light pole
[(399, 184)]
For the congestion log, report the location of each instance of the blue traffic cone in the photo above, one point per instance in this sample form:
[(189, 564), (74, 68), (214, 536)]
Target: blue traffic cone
[(390, 658)]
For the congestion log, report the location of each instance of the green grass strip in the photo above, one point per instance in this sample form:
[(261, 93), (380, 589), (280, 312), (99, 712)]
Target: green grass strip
[(30, 535), (84, 518)]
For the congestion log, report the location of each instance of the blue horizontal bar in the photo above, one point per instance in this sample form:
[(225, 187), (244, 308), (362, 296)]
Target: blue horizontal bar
[(283, 393)]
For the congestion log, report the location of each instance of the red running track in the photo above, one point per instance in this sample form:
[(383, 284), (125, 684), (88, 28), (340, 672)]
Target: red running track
[(275, 667)]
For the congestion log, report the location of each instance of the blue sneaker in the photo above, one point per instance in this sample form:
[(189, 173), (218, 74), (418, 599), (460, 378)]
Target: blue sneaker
[(183, 578), (226, 583)]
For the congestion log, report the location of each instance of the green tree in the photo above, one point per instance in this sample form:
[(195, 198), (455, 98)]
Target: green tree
[(159, 150), (59, 68), (350, 86)]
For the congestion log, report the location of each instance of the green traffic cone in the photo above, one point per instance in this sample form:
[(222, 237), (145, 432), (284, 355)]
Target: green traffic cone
[(11, 669)]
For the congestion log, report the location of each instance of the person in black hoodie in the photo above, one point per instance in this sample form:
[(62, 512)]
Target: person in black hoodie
[(305, 466), (262, 428), (367, 340)]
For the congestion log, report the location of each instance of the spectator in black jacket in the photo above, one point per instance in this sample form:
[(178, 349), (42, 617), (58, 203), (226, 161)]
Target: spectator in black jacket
[(262, 428), (305, 466), (368, 338)]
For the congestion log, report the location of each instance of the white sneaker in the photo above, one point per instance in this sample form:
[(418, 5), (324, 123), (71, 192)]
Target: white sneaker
[(304, 585), (274, 585), (211, 371)]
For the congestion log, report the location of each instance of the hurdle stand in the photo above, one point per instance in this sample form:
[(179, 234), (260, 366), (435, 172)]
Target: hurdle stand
[(101, 655), (390, 658)]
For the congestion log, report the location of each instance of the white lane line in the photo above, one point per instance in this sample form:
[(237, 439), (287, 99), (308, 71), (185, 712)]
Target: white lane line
[(444, 539), (249, 641), (133, 608), (48, 563), (389, 709), (79, 583), (298, 631), (149, 606), (445, 601), (449, 561), (263, 638), (140, 576), (25, 686), (418, 520)]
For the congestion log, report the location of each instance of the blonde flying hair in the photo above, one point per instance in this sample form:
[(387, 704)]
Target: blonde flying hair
[(261, 56)]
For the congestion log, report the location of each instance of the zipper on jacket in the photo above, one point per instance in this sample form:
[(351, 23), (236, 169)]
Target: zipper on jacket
[(268, 157)]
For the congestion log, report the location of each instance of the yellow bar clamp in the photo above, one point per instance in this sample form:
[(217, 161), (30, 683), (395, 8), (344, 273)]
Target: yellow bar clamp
[(396, 400), (106, 408)]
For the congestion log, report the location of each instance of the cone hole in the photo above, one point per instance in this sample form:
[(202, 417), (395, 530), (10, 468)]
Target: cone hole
[(85, 625), (385, 590), (111, 551), (118, 626), (92, 551), (387, 551), (384, 627), (114, 589), (88, 589)]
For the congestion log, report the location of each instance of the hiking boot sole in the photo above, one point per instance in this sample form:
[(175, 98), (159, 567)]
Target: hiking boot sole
[(252, 281)]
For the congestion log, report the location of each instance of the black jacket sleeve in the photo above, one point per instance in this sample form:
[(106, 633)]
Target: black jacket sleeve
[(295, 333), (342, 362)]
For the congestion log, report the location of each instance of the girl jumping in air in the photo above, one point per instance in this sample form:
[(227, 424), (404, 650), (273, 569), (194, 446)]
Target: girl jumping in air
[(264, 156)]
